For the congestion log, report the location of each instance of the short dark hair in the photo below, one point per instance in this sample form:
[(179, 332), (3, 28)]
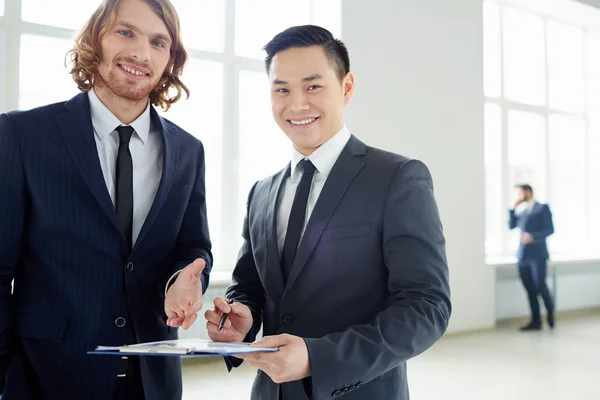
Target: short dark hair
[(525, 187), (306, 36)]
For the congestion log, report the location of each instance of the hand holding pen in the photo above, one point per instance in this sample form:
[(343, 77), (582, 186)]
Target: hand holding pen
[(228, 321), (224, 317)]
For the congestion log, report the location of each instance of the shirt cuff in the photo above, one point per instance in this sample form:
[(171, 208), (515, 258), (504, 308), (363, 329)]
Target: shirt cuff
[(172, 281)]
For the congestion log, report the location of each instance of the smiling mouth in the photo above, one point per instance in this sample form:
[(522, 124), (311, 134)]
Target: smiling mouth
[(132, 71), (303, 122)]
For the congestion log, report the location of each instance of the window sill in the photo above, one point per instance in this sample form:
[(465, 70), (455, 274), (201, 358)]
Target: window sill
[(558, 261)]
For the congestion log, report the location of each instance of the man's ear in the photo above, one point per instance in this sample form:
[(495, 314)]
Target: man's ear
[(348, 86)]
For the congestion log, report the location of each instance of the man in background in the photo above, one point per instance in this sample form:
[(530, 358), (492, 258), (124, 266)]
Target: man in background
[(535, 223)]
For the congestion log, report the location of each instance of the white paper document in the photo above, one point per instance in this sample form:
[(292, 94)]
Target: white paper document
[(185, 346)]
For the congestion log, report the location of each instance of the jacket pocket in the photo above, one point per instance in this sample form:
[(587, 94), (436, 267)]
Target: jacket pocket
[(345, 232)]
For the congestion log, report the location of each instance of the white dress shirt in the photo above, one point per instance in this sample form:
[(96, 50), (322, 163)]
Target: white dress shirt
[(530, 205), (323, 159), (525, 207), (146, 151)]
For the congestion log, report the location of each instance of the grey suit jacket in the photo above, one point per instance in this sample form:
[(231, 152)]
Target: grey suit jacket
[(369, 286)]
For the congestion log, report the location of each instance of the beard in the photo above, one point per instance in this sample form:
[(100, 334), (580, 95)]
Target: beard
[(123, 87)]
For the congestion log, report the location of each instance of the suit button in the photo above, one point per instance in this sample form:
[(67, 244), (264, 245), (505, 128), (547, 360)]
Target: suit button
[(345, 390), (129, 266), (287, 319), (336, 393), (120, 322)]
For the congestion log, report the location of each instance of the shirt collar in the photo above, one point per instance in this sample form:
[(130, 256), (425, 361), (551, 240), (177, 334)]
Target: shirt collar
[(324, 157), (105, 122)]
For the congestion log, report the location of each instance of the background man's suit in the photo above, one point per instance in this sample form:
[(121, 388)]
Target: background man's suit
[(533, 257), (76, 284), (369, 285)]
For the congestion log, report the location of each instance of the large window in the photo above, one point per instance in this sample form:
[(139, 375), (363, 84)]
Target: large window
[(228, 108), (541, 84)]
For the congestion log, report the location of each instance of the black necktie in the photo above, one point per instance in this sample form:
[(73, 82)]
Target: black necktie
[(125, 182), (296, 221)]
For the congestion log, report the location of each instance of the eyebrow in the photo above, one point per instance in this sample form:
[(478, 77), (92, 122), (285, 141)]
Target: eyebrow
[(159, 36), (307, 79)]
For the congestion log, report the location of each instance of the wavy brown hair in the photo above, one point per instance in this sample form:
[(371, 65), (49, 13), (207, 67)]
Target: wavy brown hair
[(86, 52)]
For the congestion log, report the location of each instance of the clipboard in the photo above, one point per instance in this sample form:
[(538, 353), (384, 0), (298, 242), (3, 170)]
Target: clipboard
[(182, 348)]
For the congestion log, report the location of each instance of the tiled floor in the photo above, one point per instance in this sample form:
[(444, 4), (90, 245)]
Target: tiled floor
[(500, 364)]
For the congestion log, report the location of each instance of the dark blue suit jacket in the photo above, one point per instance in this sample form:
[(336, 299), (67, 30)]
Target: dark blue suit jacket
[(539, 224), (61, 242)]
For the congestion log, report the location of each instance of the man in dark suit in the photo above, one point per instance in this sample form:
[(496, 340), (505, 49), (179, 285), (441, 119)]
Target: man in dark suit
[(343, 262), (102, 205), (535, 222)]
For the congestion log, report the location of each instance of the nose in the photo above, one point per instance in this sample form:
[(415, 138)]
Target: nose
[(141, 51), (299, 102)]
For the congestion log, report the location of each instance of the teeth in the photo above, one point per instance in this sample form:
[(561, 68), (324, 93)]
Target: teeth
[(132, 71), (303, 122)]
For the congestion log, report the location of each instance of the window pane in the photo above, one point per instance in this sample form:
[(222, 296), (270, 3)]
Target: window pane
[(593, 75), (262, 144), (491, 49), (494, 214), (526, 155), (593, 90), (202, 23), (257, 21), (202, 116), (57, 84), (594, 184), (69, 14), (567, 183), (565, 67), (524, 65)]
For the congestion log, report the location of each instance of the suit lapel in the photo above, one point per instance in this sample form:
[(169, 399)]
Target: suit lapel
[(348, 165), (536, 208), (527, 213), (275, 276), (76, 128), (532, 213), (170, 142)]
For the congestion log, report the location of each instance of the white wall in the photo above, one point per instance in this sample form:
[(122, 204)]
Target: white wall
[(419, 92)]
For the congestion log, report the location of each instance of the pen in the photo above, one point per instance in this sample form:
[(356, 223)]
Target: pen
[(224, 317)]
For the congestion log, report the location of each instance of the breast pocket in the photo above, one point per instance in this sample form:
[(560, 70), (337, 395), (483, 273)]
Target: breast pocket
[(41, 324), (179, 191), (346, 232)]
